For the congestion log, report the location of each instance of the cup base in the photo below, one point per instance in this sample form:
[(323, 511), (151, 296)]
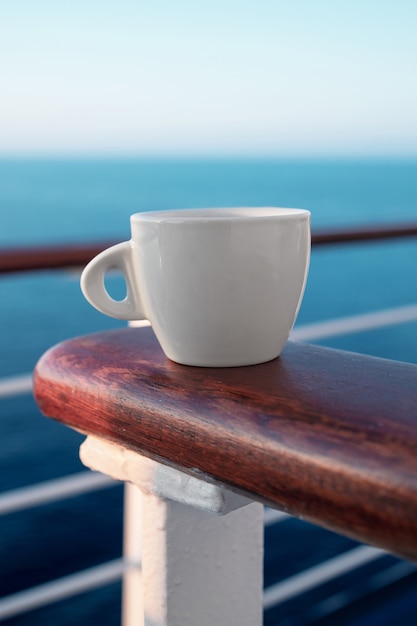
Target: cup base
[(222, 364)]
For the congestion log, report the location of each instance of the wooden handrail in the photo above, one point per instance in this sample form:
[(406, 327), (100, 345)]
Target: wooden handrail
[(364, 233), (48, 257), (68, 256), (325, 435)]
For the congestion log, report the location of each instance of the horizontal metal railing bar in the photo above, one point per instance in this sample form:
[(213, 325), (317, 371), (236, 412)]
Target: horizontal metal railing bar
[(112, 571), (62, 588), (106, 573), (319, 574), (53, 491), (355, 323), (375, 582), (15, 385), (24, 259)]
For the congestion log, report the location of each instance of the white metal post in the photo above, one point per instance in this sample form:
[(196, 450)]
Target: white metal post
[(132, 591), (199, 568)]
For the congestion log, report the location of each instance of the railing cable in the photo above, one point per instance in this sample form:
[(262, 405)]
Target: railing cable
[(15, 385), (319, 574), (53, 491), (62, 588), (355, 323)]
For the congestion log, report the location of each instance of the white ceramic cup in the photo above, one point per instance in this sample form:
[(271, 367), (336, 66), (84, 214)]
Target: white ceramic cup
[(220, 287)]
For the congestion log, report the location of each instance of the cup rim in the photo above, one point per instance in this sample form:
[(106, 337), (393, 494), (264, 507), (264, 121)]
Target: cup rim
[(220, 214)]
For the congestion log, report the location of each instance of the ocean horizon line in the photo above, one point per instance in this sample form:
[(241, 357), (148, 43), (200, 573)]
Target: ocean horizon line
[(208, 157)]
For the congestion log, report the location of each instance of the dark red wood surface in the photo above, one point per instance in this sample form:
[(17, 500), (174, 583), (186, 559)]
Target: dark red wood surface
[(328, 436), (48, 257), (364, 233)]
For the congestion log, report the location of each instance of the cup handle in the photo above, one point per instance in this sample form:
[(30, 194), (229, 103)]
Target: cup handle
[(118, 257)]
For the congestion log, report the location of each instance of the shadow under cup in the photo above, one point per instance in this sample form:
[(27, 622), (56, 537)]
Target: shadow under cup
[(221, 287)]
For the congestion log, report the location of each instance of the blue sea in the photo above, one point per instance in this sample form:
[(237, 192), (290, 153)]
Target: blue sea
[(50, 201)]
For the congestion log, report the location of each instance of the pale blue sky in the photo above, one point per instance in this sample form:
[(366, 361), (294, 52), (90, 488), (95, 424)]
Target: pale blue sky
[(260, 77)]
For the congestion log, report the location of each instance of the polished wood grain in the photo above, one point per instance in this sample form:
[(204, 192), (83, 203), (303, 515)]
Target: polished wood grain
[(328, 436)]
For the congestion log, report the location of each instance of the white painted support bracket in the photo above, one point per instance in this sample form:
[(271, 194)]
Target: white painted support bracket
[(198, 569), (154, 478)]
